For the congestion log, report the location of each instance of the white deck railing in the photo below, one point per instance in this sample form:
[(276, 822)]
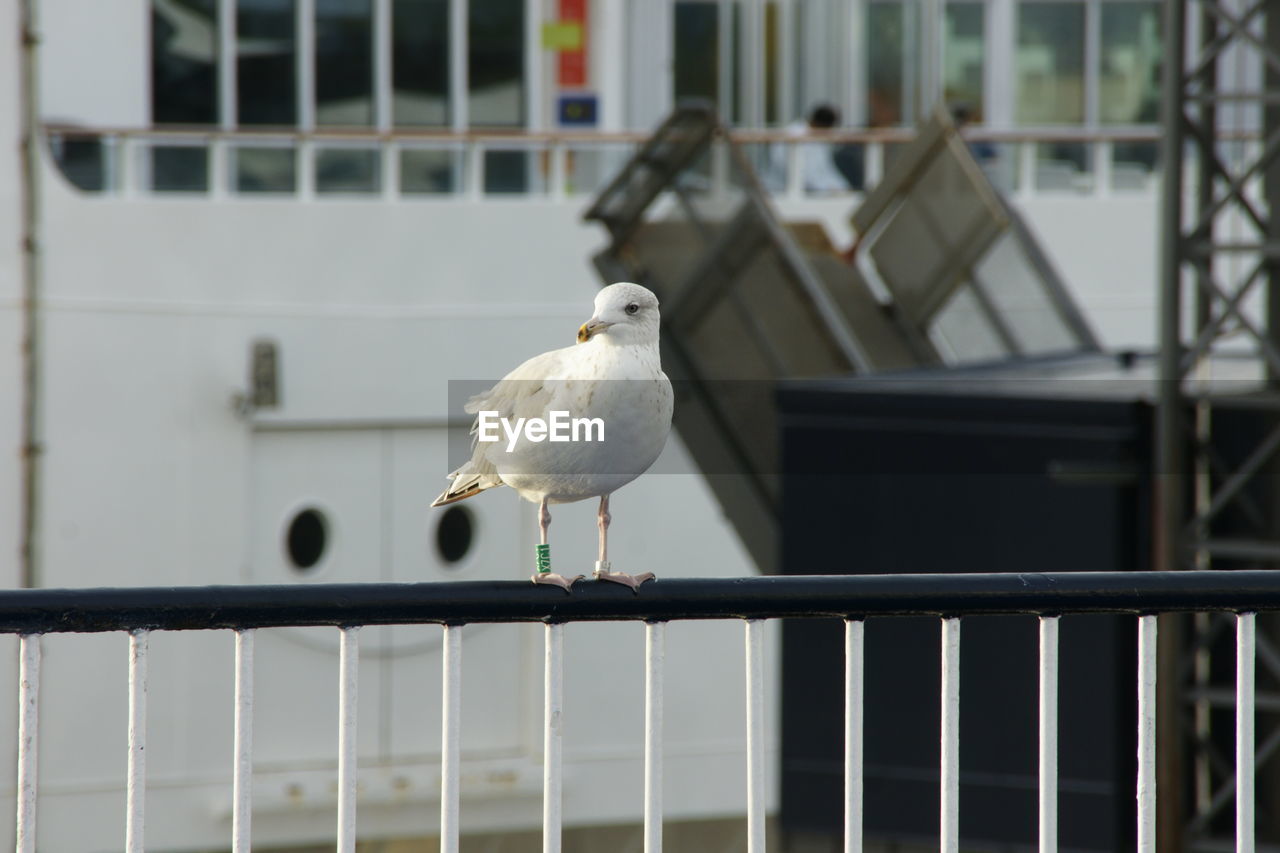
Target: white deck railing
[(241, 610), (547, 166)]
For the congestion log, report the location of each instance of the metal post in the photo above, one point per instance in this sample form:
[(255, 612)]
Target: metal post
[(552, 738), (1146, 792), (755, 736), (854, 662), (655, 658), (950, 752), (28, 740), (451, 739), (241, 789), (348, 696), (1048, 701), (136, 784), (1246, 648)]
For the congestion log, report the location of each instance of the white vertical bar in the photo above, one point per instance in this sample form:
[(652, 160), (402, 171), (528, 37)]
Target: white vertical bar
[(552, 737), (1146, 734), (305, 64), (874, 167), (228, 98), (1048, 734), (1246, 648), (242, 781), (535, 88), (1027, 151), (451, 738), (557, 154), (654, 658), (949, 817), (134, 831), (382, 82), (28, 740), (460, 118), (853, 717), (348, 681), (755, 736), (219, 153)]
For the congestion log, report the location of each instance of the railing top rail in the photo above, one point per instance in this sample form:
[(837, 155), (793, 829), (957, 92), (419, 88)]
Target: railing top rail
[(36, 611), (201, 133)]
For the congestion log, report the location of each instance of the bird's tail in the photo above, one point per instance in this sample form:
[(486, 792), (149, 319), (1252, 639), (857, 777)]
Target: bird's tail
[(465, 484)]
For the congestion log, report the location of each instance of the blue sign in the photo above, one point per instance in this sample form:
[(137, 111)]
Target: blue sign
[(577, 110)]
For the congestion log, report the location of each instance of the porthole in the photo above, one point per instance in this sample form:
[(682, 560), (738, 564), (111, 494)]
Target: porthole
[(455, 533), (306, 539)]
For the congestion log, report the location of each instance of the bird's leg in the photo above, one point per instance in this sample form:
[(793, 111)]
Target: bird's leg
[(602, 565), (602, 521), (543, 553)]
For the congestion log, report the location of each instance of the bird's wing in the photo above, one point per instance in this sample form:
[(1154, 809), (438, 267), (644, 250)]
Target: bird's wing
[(523, 393)]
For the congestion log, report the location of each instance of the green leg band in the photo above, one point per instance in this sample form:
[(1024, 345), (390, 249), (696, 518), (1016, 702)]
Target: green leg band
[(543, 557)]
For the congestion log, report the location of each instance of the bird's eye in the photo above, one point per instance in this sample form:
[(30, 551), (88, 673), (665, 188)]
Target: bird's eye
[(632, 308)]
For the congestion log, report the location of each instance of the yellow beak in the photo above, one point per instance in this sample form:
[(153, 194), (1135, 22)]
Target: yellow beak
[(590, 328)]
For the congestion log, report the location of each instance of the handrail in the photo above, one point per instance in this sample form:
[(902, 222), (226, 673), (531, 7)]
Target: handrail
[(36, 611), (880, 135)]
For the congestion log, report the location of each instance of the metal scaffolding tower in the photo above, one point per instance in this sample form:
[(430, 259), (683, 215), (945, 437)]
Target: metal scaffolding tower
[(1219, 399)]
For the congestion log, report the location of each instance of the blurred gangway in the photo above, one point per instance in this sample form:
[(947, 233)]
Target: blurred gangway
[(943, 272)]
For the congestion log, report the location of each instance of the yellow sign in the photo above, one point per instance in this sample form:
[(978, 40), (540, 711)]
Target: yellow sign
[(562, 35)]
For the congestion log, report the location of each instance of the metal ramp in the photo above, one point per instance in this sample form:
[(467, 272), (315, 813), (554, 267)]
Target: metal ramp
[(943, 273)]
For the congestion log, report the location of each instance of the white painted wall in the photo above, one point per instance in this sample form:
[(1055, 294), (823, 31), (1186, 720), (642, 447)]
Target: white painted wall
[(95, 68)]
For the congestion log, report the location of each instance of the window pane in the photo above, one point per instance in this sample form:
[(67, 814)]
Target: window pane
[(495, 64), (265, 170), (885, 32), (697, 50), (427, 171), (82, 160), (266, 43), (184, 68), (344, 62), (179, 169), (420, 62), (964, 49), (1050, 63), (772, 58), (1130, 73), (348, 170)]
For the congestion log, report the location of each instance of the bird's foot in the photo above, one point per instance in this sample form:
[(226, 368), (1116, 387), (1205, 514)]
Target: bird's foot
[(556, 580), (603, 573)]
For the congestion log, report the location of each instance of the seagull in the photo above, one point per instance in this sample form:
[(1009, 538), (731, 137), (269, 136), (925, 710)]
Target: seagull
[(611, 379)]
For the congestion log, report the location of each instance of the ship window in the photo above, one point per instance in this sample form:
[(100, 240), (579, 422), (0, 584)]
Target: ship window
[(964, 51), (82, 160), (426, 171), (1130, 74), (184, 51), (495, 63), (455, 533), (697, 50), (348, 170), (1050, 63), (265, 170), (179, 169), (266, 75), (887, 92), (420, 63), (344, 62), (306, 539)]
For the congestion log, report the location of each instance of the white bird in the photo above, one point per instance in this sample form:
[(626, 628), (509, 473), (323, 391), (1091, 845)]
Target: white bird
[(613, 374)]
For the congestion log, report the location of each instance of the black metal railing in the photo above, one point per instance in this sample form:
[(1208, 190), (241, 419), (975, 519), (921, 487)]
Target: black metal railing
[(841, 596)]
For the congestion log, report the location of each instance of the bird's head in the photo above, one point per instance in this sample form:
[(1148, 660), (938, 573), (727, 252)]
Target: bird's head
[(625, 313)]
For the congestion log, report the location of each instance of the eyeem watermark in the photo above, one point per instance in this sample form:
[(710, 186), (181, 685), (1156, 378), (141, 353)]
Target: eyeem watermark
[(558, 427)]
